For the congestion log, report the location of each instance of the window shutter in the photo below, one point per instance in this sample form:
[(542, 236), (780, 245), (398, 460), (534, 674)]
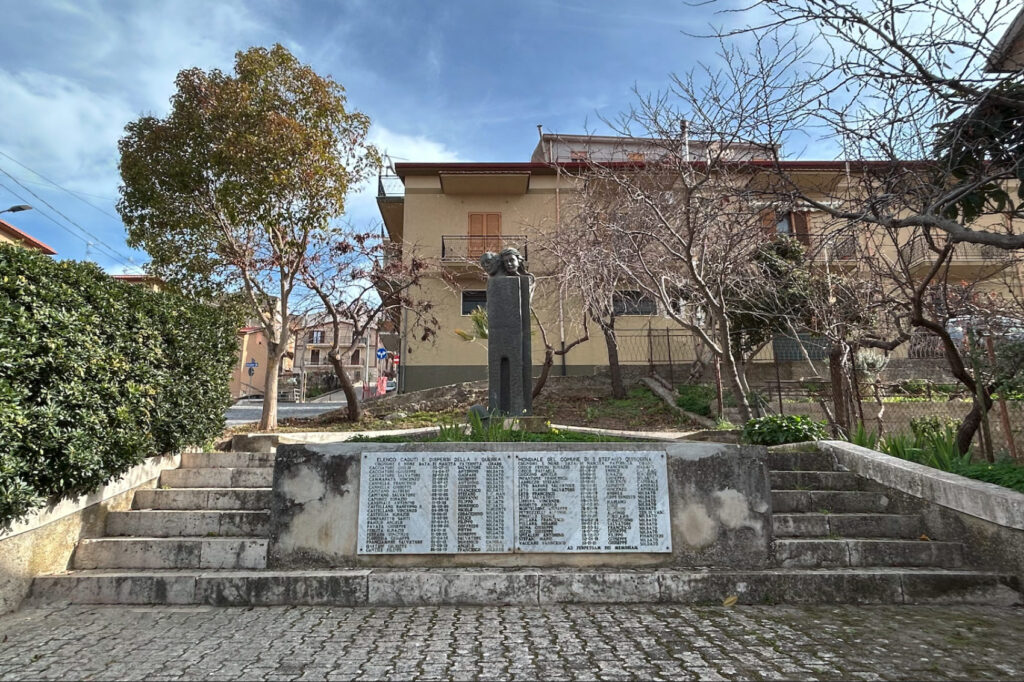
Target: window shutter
[(800, 229), (493, 230), (477, 235), (768, 223)]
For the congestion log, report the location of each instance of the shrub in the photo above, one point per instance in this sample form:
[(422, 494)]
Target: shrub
[(921, 427), (863, 437), (1004, 472), (696, 398), (777, 429), (96, 375)]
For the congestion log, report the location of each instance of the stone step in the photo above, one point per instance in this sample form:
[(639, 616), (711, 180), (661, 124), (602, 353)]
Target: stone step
[(203, 498), (233, 460), (492, 587), (262, 477), (171, 553), (817, 553), (781, 460), (815, 480), (184, 523), (833, 501), (816, 524)]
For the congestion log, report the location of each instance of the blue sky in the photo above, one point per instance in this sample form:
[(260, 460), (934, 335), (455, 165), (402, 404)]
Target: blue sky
[(442, 81)]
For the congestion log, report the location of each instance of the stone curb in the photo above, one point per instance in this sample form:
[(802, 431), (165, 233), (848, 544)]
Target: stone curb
[(528, 587)]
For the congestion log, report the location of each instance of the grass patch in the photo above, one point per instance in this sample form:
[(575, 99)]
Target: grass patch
[(696, 398)]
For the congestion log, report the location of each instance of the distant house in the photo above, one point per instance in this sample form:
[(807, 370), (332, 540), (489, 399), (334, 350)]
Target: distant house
[(11, 235), (148, 281)]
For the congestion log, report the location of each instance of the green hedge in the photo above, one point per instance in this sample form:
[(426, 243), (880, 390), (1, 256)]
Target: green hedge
[(96, 375)]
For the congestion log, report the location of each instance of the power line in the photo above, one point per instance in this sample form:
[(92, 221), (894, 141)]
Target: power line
[(60, 187), (108, 250)]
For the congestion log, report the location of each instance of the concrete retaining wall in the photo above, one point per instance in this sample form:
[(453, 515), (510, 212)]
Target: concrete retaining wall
[(44, 541), (987, 518), (719, 500)]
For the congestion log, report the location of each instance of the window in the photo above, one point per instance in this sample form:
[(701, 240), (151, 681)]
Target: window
[(484, 234), (579, 155), (792, 224), (471, 300), (316, 336), (314, 357), (783, 224), (635, 157), (355, 357), (633, 303)]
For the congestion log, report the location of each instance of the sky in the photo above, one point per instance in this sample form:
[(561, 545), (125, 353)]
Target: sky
[(441, 81)]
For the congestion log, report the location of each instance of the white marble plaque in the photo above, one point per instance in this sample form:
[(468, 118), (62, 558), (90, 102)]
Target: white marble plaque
[(592, 502), (455, 503), (435, 503)]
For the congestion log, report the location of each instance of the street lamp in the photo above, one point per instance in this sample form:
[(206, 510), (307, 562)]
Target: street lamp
[(17, 209)]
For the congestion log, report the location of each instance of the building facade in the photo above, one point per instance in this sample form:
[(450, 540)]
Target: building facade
[(450, 213)]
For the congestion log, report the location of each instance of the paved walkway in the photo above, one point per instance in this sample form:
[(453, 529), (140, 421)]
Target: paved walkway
[(246, 411), (558, 642)]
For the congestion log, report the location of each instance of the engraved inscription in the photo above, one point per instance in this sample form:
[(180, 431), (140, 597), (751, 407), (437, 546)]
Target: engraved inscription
[(435, 503), (594, 502), (463, 503)]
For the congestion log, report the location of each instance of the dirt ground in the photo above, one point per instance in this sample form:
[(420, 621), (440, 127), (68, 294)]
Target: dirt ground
[(575, 401)]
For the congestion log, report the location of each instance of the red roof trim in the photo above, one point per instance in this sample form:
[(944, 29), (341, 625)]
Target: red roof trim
[(26, 239)]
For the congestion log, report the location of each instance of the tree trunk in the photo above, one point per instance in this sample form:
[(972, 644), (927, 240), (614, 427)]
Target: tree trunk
[(840, 401), (268, 420), (353, 411), (618, 387), (545, 370), (969, 426)]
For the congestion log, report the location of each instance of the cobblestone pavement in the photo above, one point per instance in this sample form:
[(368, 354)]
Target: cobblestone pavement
[(557, 642)]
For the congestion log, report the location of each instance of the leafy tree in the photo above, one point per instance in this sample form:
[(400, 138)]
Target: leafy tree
[(227, 191)]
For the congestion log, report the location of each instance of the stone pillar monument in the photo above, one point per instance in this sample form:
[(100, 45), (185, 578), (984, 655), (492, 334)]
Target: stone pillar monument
[(509, 357)]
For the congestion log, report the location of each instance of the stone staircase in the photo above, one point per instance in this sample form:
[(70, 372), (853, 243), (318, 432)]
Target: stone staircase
[(212, 512), (201, 537), (824, 518)]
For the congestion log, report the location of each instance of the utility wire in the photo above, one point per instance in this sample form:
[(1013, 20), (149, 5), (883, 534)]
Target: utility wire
[(108, 250), (65, 189)]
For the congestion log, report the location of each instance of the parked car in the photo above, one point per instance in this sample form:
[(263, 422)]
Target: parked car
[(392, 385)]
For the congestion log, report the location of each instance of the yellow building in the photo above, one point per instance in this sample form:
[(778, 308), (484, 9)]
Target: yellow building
[(449, 213)]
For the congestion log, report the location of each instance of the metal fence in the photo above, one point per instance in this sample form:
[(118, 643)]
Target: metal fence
[(886, 407)]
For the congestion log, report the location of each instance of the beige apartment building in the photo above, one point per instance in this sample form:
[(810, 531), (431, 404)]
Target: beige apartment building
[(449, 213), (312, 368)]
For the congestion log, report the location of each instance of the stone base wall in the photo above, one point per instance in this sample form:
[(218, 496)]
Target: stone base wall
[(44, 541), (719, 501)]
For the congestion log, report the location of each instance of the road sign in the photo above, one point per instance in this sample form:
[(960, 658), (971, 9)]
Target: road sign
[(382, 353), (252, 364), (252, 370)]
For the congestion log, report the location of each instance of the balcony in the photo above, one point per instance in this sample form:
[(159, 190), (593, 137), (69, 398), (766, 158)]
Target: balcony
[(968, 260), (835, 246), (464, 249), (391, 203)]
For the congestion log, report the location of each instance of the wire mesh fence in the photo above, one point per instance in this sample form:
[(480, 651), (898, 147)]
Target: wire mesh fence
[(884, 407)]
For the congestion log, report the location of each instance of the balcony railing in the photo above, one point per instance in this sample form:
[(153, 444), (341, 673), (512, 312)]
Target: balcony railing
[(390, 187), (461, 248), (835, 246), (920, 253)]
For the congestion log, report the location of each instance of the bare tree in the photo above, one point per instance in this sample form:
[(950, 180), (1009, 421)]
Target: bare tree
[(906, 93), (361, 281)]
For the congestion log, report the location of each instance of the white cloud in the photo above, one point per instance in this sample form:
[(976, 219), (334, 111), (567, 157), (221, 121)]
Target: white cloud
[(361, 207), (403, 147)]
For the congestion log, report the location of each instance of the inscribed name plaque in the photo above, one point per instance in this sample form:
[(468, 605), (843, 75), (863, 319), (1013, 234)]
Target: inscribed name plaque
[(443, 503), (594, 502)]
